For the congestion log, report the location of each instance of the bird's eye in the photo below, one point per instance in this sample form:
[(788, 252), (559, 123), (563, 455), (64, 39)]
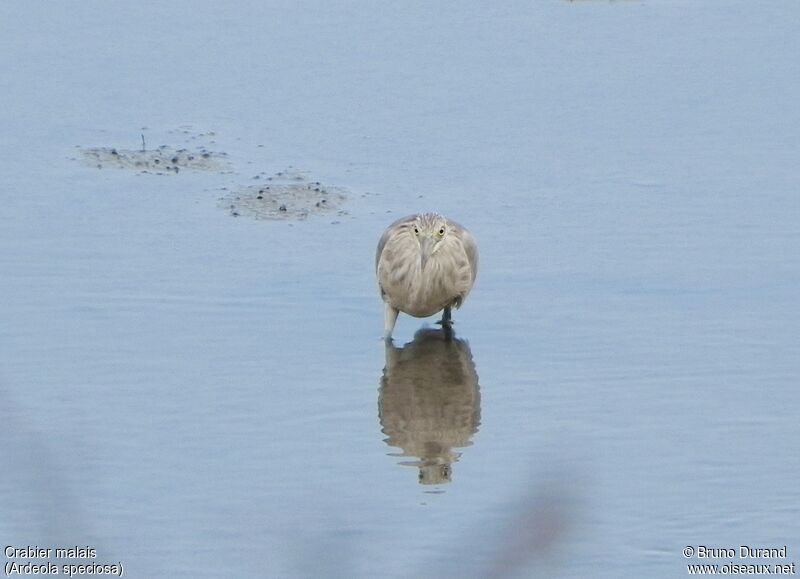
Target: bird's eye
[(441, 231), (416, 230)]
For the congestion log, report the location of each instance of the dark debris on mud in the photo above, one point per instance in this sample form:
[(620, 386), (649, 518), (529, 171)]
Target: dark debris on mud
[(286, 195), (163, 160)]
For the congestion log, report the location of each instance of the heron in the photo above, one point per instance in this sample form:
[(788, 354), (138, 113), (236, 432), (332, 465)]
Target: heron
[(425, 264)]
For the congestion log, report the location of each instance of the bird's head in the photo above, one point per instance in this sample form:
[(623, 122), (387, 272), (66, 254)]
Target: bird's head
[(430, 229)]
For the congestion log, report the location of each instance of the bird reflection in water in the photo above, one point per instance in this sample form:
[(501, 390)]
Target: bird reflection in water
[(429, 402)]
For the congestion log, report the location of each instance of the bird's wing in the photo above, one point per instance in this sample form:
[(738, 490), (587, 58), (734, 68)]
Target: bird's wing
[(387, 234), (470, 247)]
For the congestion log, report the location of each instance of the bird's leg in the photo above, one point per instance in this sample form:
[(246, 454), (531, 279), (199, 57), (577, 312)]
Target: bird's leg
[(445, 321), (389, 320)]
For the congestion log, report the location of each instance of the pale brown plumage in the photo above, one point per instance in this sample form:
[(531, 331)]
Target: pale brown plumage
[(425, 264)]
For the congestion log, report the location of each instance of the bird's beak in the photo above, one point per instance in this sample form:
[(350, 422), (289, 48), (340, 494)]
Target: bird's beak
[(426, 247)]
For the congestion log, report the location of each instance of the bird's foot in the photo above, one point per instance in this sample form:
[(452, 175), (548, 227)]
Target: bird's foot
[(447, 325)]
